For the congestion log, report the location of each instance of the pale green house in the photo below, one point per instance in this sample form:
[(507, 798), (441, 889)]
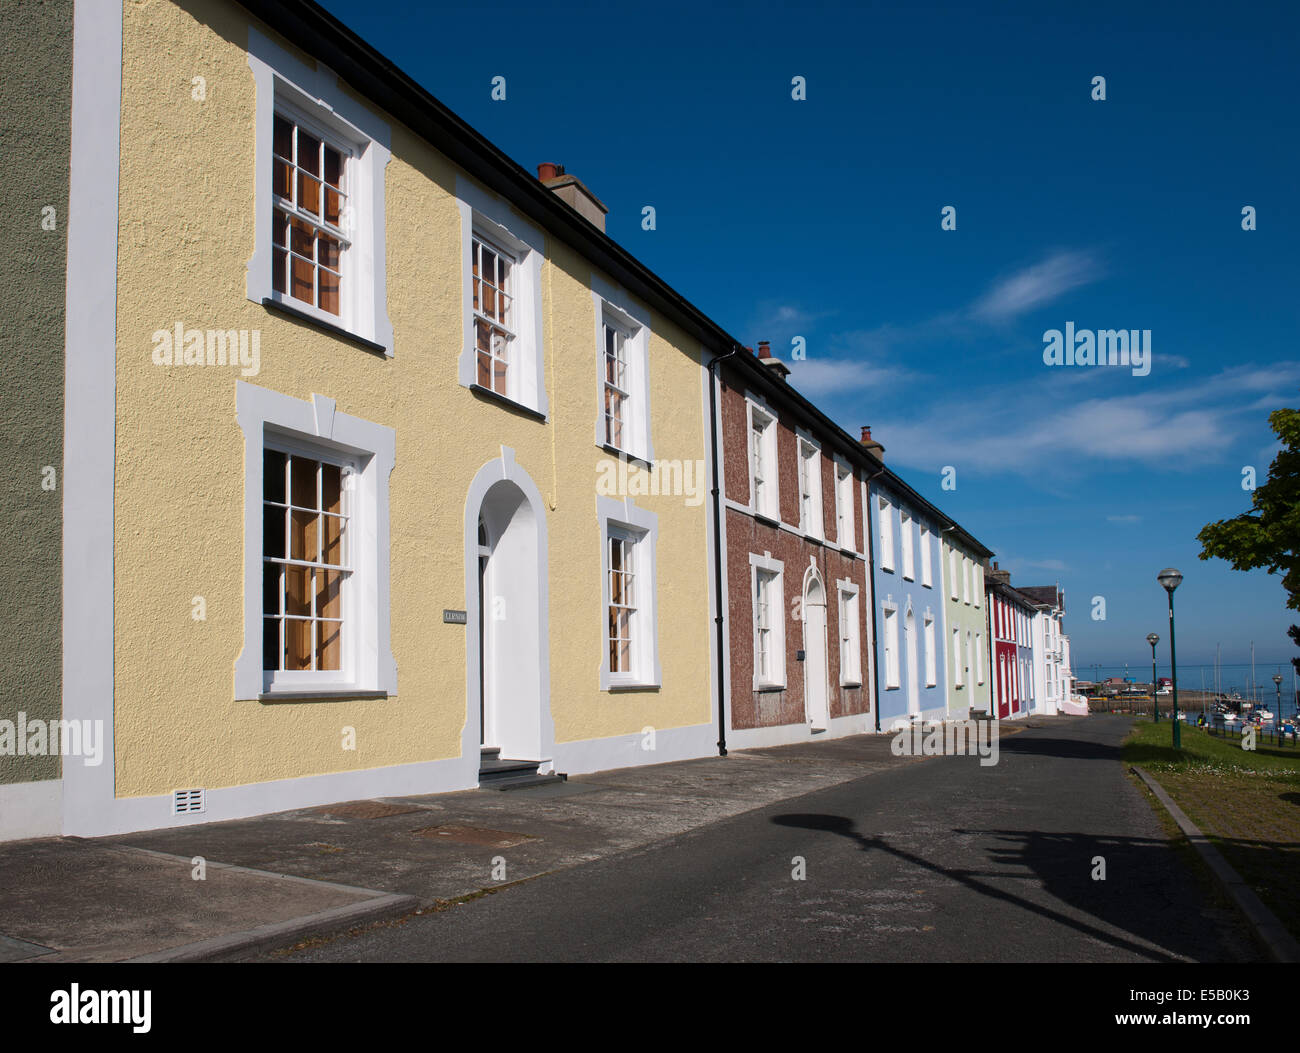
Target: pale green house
[(965, 617)]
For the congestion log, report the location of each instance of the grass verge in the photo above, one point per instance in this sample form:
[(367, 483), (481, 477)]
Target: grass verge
[(1246, 802)]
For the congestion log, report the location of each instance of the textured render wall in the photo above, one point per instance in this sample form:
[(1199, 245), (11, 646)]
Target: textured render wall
[(186, 230), (35, 108), (580, 709), (966, 617)]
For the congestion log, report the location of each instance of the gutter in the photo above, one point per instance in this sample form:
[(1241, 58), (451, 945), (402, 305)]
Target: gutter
[(718, 554)]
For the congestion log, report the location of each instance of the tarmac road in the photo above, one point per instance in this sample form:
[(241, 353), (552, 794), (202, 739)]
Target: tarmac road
[(945, 860)]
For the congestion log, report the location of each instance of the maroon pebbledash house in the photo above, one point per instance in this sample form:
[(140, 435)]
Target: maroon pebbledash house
[(797, 565)]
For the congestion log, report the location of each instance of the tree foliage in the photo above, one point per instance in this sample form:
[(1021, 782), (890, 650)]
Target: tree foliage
[(1268, 536)]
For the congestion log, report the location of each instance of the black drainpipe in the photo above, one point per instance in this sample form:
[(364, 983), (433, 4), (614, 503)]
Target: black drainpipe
[(718, 554), (871, 578)]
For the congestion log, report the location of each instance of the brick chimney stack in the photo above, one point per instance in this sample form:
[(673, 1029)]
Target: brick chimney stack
[(870, 445), (774, 364), (572, 192)]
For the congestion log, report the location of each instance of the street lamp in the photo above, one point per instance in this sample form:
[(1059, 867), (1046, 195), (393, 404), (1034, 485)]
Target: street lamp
[(1277, 716), (1153, 639), (1171, 579)]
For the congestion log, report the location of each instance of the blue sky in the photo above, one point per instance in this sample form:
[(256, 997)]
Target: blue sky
[(821, 219)]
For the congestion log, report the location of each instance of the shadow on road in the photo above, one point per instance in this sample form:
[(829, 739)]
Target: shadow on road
[(1145, 895), (1075, 749)]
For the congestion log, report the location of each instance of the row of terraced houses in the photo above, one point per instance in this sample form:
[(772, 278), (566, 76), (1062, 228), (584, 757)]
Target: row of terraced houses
[(352, 460)]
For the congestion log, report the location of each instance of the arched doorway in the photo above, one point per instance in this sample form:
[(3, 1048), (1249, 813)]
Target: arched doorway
[(507, 651), (816, 697), (913, 674)]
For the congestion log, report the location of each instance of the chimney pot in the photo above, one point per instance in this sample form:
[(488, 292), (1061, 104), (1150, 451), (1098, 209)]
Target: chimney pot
[(549, 170), (866, 433), (764, 349)]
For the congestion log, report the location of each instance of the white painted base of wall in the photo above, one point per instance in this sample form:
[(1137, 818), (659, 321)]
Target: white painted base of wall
[(129, 814), (938, 715), (31, 809), (629, 751), (787, 734), (34, 815)]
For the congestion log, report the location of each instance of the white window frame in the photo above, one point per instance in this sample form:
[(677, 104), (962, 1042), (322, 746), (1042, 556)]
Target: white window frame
[(927, 558), (624, 518), (979, 659), (770, 505), (613, 307), (349, 465), (812, 521), (954, 579), (492, 219), (850, 633), (317, 99), (885, 511), (773, 575), (845, 521), (315, 428), (889, 635), (965, 580), (905, 536)]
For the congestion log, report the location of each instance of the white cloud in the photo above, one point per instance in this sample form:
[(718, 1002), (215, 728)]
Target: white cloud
[(1036, 285), (1123, 519), (816, 377), (1047, 426)]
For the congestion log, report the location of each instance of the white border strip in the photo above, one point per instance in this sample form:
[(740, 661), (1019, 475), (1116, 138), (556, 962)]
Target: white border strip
[(90, 405)]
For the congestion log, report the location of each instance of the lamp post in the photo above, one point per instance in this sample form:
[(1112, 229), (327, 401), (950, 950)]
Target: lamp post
[(1171, 579), (1153, 639), (1277, 717)]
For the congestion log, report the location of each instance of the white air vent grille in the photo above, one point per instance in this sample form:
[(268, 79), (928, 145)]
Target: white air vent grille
[(186, 801)]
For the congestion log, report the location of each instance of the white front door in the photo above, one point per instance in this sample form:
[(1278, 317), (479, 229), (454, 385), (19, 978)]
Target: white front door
[(511, 644), (816, 690)]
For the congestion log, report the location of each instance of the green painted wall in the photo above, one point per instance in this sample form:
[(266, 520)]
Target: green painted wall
[(35, 106), (970, 618)]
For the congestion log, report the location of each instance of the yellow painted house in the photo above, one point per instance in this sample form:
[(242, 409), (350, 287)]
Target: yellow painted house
[(386, 469)]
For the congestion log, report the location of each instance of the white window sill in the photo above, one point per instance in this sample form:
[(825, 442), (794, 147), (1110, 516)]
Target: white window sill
[(325, 691), (507, 401), (321, 320), (763, 685), (850, 683), (628, 455), (766, 517), (632, 685)]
